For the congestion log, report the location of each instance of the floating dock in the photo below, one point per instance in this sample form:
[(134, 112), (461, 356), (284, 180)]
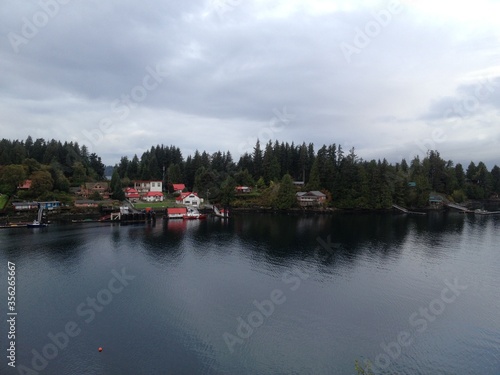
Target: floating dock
[(406, 211)]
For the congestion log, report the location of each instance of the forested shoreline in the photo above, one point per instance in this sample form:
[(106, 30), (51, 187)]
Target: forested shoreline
[(348, 180)]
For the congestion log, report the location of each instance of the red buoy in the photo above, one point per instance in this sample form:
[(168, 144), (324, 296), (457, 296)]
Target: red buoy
[(100, 349)]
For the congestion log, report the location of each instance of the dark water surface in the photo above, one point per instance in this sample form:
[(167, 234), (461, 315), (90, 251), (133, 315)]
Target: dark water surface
[(261, 294)]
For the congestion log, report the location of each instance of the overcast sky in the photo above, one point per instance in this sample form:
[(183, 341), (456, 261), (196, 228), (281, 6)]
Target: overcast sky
[(390, 78)]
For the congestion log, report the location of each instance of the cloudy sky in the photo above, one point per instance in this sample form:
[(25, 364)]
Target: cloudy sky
[(390, 78)]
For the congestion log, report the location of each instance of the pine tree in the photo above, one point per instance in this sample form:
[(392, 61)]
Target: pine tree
[(285, 198)]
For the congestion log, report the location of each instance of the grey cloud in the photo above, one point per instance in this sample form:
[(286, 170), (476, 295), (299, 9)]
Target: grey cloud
[(230, 71)]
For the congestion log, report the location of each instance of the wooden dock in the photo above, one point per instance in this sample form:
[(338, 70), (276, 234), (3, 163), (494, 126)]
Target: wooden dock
[(406, 211), (458, 207)]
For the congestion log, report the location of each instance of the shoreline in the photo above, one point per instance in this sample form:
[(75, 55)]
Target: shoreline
[(16, 219)]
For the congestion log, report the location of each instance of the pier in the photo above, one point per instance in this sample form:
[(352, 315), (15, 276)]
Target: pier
[(406, 211), (458, 207)]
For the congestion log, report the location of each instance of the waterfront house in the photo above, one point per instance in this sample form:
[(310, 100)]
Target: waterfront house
[(189, 198), (243, 189), (176, 212), (50, 205), (435, 201), (84, 203), (26, 206), (25, 185), (310, 198), (144, 187), (178, 188), (95, 187), (153, 196), (131, 194)]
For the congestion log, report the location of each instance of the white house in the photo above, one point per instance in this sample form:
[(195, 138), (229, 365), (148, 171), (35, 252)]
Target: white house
[(191, 199), (310, 198), (144, 187), (154, 196)]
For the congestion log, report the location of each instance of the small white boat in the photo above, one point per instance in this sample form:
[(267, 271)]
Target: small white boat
[(36, 224), (193, 214)]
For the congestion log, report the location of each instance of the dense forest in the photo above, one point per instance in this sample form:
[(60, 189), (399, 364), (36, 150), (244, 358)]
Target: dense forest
[(348, 180), (52, 166)]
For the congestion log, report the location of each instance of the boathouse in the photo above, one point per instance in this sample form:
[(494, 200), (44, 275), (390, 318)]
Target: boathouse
[(190, 199), (310, 198)]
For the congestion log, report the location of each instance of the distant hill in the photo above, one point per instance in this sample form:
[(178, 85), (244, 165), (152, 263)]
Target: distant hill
[(108, 170)]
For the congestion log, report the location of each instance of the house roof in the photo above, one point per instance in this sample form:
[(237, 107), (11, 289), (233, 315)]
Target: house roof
[(316, 193), (34, 203), (24, 203), (154, 194), (184, 195), (313, 193), (25, 185), (130, 190), (86, 201), (96, 185), (176, 210), (178, 186)]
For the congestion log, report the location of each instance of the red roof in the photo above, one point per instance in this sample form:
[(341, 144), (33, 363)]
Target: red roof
[(131, 193), (25, 185), (176, 210), (154, 194), (178, 187), (184, 195)]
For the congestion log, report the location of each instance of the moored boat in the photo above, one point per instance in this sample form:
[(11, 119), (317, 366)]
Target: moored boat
[(193, 214), (36, 224)]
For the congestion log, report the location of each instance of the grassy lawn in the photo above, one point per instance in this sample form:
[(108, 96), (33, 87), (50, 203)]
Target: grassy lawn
[(164, 204), (3, 201)]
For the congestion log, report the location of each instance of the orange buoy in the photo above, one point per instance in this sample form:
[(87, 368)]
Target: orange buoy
[(100, 349)]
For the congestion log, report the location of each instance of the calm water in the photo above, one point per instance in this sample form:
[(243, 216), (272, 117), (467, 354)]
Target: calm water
[(261, 294)]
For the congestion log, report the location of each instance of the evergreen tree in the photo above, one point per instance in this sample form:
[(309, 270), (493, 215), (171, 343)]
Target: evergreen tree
[(257, 161), (286, 194), (116, 187), (227, 191), (495, 179), (314, 182)]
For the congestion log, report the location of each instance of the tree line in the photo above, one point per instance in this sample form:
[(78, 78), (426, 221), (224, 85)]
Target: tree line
[(350, 181), (52, 166), (347, 178)]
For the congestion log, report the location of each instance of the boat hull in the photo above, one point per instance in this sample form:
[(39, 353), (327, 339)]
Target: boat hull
[(36, 225), (194, 217)]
